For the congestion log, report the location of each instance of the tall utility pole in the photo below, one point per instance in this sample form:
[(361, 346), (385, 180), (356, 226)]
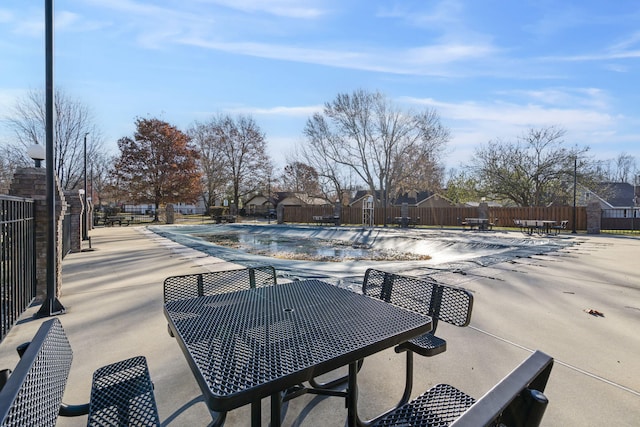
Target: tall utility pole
[(51, 306), (85, 226), (575, 184)]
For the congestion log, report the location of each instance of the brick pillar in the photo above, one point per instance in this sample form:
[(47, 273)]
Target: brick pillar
[(337, 212), (594, 217), (32, 183), (75, 204), (483, 210), (170, 213)]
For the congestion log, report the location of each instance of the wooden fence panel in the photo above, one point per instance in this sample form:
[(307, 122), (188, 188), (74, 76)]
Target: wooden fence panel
[(442, 217)]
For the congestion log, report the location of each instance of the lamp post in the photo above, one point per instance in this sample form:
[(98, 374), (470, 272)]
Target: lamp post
[(37, 153), (51, 305), (86, 210), (575, 182)]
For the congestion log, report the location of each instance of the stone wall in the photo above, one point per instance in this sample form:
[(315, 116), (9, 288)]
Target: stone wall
[(32, 183)]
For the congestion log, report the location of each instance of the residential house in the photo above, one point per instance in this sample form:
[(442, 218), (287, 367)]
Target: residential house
[(258, 204), (423, 199), (617, 199), (290, 198)]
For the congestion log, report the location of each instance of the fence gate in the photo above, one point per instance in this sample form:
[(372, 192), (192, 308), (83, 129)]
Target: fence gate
[(367, 212)]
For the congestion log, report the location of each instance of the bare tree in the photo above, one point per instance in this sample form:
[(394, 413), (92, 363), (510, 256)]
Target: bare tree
[(535, 170), (239, 147), (625, 165), (334, 178), (73, 122), (383, 145), (215, 179), (300, 177), (100, 167)]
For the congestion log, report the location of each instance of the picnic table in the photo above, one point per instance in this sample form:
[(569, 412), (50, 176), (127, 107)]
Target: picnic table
[(405, 221), (531, 226), (119, 219), (326, 219), (250, 344), (479, 223), (224, 218)]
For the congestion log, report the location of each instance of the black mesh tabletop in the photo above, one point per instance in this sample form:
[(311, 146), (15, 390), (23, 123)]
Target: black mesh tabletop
[(246, 345)]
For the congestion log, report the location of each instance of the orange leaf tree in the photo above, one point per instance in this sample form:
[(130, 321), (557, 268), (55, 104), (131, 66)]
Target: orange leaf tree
[(158, 166)]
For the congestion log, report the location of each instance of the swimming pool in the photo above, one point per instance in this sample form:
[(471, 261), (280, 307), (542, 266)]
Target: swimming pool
[(311, 251)]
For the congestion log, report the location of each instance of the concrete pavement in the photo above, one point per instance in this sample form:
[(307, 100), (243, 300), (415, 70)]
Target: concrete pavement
[(113, 297)]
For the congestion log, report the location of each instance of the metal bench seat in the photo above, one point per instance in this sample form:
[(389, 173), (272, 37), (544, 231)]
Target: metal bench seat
[(517, 400), (425, 345), (446, 303), (122, 393), (441, 302), (438, 406), (217, 282)]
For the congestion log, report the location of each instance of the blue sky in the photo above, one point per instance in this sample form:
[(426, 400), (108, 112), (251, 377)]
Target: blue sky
[(491, 68)]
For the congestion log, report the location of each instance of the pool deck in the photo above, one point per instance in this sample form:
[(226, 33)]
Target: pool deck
[(113, 298)]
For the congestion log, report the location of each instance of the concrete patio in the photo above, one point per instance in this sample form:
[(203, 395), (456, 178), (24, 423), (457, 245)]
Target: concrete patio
[(113, 298)]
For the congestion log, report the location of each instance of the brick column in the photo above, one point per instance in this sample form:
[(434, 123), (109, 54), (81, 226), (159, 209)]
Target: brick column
[(594, 217), (170, 213), (75, 204), (32, 183), (483, 210)]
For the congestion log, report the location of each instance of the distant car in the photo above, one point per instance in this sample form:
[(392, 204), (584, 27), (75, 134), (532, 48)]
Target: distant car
[(271, 213)]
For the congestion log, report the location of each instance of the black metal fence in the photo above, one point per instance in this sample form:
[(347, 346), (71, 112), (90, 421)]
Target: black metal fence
[(620, 220), (17, 259)]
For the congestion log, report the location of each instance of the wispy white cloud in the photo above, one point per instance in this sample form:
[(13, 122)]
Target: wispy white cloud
[(285, 8), (473, 123), (304, 111), (427, 60), (627, 48), (442, 15), (519, 115)]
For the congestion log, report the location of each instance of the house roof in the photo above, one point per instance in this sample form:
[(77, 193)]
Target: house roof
[(616, 194), (303, 198)]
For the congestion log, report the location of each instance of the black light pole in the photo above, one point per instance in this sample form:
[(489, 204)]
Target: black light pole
[(575, 180), (269, 200), (51, 306), (86, 209)]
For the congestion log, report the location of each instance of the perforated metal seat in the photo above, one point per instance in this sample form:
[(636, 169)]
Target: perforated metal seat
[(438, 407), (217, 282), (447, 303), (122, 393), (517, 400)]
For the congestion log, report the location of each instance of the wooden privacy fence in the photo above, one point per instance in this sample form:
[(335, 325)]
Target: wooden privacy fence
[(442, 217)]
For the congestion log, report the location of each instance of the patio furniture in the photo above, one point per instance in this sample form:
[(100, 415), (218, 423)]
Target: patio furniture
[(562, 226), (531, 226), (121, 393), (327, 219), (217, 282), (479, 223), (450, 304), (404, 221), (517, 400), (246, 345), (441, 302)]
